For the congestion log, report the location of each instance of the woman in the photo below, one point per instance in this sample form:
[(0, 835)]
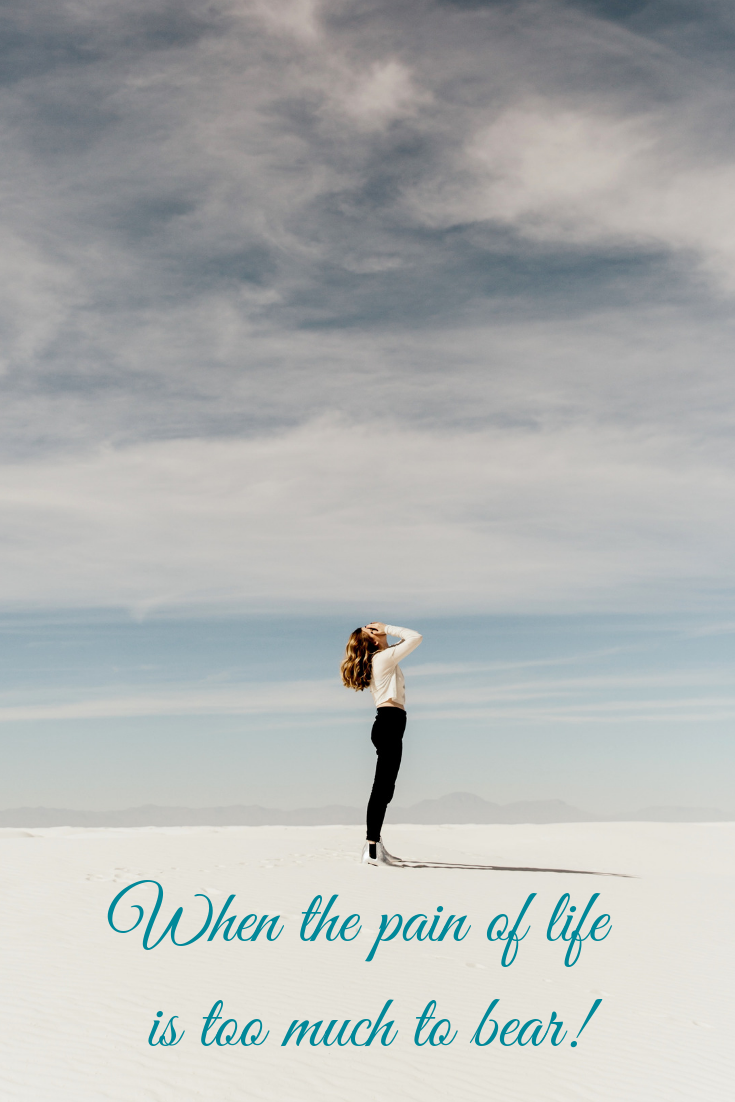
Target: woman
[(369, 661)]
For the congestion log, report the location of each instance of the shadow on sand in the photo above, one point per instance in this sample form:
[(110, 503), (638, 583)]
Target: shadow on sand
[(398, 862)]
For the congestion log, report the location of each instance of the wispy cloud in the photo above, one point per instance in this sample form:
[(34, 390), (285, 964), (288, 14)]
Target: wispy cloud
[(296, 286), (708, 711), (436, 519), (280, 698), (460, 669), (577, 699)]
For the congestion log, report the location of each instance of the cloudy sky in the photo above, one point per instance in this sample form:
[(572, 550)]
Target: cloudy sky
[(348, 309)]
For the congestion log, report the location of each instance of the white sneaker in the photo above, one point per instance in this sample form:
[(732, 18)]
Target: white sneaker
[(366, 859), (382, 857)]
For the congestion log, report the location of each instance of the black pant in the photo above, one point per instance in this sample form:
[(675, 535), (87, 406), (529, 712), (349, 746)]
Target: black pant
[(387, 738)]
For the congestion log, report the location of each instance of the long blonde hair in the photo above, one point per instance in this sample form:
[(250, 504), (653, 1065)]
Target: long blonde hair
[(357, 665)]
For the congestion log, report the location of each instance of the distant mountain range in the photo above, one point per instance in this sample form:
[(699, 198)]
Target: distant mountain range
[(456, 808)]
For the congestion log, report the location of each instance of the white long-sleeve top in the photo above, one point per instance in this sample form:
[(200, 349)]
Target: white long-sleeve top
[(387, 682)]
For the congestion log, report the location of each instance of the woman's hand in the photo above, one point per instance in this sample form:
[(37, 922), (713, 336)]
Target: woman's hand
[(375, 628)]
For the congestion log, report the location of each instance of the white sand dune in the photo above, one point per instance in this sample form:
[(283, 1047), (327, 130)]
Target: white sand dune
[(79, 999)]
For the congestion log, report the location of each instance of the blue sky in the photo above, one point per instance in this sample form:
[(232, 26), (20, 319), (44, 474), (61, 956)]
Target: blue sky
[(322, 310), (610, 713)]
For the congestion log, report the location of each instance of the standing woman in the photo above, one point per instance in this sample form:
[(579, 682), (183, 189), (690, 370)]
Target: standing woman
[(369, 661)]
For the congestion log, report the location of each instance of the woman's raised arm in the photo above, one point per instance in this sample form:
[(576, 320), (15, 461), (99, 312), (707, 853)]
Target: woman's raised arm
[(409, 641)]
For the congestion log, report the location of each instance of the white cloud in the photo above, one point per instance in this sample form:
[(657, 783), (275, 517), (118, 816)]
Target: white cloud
[(219, 232), (183, 200), (298, 18), (38, 294), (337, 513), (584, 175), (385, 93), (576, 699), (279, 698)]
